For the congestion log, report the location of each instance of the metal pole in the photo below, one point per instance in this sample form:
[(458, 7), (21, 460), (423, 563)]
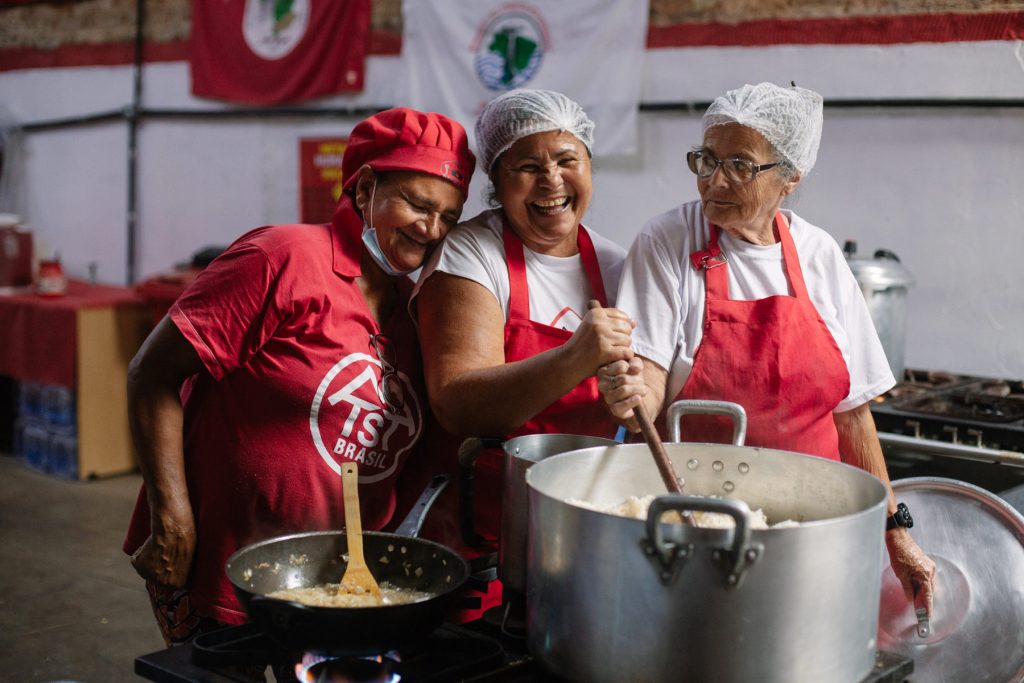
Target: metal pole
[(132, 118)]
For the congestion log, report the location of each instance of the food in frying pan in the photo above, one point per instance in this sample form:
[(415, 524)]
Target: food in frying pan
[(332, 595)]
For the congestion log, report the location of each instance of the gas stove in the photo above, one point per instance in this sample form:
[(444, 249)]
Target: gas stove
[(957, 426), (477, 652)]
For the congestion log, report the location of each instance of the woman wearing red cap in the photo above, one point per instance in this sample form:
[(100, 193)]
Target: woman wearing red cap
[(291, 354)]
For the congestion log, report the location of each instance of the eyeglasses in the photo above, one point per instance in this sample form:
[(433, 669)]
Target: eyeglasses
[(736, 170), (390, 390)]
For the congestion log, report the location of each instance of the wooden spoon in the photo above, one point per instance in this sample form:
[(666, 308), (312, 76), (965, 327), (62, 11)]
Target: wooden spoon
[(357, 579), (653, 439)]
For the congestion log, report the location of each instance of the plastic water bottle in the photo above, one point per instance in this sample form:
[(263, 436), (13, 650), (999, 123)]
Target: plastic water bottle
[(35, 442), (29, 400), (60, 406), (62, 457)]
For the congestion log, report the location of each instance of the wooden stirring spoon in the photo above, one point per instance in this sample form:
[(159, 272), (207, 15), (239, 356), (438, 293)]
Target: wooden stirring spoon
[(357, 579), (653, 439)]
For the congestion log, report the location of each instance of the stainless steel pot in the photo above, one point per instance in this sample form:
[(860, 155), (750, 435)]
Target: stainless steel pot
[(611, 598), (521, 453), (884, 283)]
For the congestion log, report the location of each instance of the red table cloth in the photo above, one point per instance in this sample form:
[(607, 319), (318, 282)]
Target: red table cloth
[(38, 335)]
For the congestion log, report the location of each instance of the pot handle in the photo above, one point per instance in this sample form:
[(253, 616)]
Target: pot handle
[(413, 521), (469, 451), (694, 406), (669, 556)]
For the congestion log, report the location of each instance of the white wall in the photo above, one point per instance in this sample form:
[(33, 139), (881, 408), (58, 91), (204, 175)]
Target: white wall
[(941, 188)]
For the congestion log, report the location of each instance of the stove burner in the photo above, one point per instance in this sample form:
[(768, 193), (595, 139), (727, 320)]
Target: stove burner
[(995, 388), (931, 378), (909, 389), (350, 670)]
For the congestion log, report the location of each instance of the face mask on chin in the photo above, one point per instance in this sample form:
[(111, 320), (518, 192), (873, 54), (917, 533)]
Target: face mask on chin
[(372, 243)]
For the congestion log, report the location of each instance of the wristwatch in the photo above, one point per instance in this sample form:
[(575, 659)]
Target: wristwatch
[(900, 518)]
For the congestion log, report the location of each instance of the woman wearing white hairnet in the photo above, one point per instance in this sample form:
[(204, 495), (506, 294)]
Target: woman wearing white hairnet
[(738, 300), (519, 352)]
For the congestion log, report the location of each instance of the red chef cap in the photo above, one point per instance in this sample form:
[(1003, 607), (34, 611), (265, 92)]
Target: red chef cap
[(403, 139)]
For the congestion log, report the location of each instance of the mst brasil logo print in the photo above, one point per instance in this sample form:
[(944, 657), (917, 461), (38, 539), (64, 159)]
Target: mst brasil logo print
[(272, 28), (510, 47)]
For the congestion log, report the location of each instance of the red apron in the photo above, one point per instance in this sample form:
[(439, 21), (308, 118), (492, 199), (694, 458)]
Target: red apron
[(773, 356), (581, 411)]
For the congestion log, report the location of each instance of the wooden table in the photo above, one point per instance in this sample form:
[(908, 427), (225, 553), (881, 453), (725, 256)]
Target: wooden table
[(83, 341)]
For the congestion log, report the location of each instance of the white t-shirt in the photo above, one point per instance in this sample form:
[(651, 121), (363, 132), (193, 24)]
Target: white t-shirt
[(662, 290), (559, 289)]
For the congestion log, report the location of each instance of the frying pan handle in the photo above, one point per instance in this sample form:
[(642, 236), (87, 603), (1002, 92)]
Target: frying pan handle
[(726, 408), (281, 616), (413, 522), (669, 556)]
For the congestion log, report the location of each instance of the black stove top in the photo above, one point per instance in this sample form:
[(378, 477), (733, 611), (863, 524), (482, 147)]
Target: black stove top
[(939, 424), (238, 653), (478, 652), (957, 409)]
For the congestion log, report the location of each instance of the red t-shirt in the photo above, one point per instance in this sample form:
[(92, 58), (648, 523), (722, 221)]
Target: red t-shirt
[(291, 392)]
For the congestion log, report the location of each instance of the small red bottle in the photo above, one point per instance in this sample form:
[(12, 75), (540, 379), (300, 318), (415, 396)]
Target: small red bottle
[(51, 280)]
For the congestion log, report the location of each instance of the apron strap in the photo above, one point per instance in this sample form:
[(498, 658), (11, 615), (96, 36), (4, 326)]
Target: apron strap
[(591, 266), (716, 278), (791, 261), (519, 294), (716, 270)]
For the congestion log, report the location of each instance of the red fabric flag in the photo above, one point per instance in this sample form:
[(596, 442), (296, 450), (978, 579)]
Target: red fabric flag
[(274, 51)]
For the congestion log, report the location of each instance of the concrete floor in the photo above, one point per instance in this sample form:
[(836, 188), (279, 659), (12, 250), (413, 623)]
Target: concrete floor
[(71, 607)]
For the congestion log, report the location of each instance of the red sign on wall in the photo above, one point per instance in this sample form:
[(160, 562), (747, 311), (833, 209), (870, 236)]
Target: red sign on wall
[(319, 177)]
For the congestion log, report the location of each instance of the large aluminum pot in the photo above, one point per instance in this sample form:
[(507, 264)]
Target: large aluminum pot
[(611, 598), (884, 281), (521, 453)]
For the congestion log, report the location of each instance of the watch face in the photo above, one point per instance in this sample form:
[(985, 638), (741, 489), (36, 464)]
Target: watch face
[(903, 517), (900, 518)]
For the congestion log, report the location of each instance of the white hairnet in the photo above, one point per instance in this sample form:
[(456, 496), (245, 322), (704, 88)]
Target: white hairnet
[(789, 118), (518, 113)]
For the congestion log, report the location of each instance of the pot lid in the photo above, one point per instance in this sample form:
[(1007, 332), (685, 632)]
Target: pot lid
[(881, 272), (977, 625)]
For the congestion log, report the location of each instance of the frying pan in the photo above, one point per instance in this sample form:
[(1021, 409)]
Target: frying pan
[(315, 558)]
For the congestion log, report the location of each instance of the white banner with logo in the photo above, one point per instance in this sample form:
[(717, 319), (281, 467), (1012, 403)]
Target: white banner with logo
[(459, 55)]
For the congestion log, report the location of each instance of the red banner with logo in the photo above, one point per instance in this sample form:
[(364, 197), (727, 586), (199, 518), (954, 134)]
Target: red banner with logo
[(276, 51)]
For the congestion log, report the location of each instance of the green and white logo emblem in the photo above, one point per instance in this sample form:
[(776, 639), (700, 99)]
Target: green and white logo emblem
[(510, 48), (272, 28)]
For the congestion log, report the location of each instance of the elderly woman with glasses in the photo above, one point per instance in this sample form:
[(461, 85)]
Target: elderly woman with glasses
[(739, 300), (291, 354), (510, 346)]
